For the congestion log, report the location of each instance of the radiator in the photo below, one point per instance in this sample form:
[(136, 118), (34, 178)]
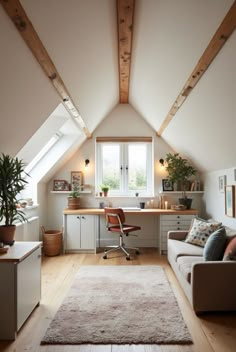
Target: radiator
[(28, 231)]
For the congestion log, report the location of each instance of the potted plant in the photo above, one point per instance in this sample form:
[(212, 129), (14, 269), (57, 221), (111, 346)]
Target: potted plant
[(74, 198), (12, 182), (105, 189), (179, 171)]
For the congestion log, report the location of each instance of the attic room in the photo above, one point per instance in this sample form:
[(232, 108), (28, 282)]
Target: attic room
[(146, 78)]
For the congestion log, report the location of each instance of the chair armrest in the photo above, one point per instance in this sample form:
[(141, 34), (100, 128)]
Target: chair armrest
[(177, 235), (213, 286)]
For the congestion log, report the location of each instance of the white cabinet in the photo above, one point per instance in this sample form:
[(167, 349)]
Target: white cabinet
[(172, 223), (80, 232), (20, 291)]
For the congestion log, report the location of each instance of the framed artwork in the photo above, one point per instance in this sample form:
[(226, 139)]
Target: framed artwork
[(222, 183), (167, 185), (59, 185), (76, 179), (230, 201)]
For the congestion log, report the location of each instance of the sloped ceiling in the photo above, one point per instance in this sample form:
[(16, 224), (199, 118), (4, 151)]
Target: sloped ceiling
[(81, 38)]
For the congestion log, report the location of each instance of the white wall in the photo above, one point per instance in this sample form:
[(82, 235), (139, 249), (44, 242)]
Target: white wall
[(122, 121), (214, 201)]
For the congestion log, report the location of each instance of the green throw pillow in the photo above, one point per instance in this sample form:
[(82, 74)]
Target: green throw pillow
[(215, 245)]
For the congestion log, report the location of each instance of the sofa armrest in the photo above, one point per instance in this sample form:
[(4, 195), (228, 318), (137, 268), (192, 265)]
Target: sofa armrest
[(213, 286), (177, 235)]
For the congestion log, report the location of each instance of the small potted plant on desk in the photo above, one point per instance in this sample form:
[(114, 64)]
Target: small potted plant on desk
[(74, 198), (179, 171), (12, 182), (105, 189)]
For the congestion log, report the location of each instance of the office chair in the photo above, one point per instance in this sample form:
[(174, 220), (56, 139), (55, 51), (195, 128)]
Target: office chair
[(115, 223)]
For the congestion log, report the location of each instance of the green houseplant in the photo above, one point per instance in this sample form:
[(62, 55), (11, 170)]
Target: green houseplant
[(179, 171), (12, 182), (74, 198), (105, 189)]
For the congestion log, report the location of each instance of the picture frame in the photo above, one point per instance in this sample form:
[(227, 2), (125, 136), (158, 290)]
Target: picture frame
[(76, 179), (59, 185), (222, 183), (230, 200), (167, 185)]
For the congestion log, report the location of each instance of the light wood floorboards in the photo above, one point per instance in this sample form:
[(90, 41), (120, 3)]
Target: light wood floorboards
[(210, 332)]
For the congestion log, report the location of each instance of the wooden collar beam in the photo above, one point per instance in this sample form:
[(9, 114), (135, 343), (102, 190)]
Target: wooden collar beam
[(125, 15), (222, 34), (18, 16)]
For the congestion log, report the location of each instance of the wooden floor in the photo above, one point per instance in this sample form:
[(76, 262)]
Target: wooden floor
[(210, 332)]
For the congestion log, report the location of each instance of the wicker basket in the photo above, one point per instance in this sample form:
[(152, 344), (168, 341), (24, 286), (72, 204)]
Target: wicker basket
[(52, 242)]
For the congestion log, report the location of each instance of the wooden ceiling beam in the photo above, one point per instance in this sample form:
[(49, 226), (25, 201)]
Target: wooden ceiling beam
[(222, 34), (125, 16), (18, 16)]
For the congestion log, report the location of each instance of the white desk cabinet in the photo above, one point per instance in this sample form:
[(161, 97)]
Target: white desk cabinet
[(172, 223), (80, 233), (20, 289)]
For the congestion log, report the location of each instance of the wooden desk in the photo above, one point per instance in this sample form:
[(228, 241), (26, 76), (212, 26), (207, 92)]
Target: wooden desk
[(82, 227), (97, 211)]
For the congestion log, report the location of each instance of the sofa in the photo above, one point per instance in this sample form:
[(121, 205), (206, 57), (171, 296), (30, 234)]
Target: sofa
[(210, 285)]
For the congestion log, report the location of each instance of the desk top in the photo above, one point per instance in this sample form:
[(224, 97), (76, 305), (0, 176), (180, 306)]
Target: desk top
[(97, 211)]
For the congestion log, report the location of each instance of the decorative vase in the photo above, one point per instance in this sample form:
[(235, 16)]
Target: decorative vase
[(186, 201), (7, 234)]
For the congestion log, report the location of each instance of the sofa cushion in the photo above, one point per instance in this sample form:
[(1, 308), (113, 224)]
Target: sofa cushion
[(185, 265), (215, 245), (200, 231), (230, 250), (180, 248)]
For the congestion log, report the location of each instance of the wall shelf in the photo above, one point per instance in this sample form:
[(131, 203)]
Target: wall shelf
[(180, 192), (68, 192)]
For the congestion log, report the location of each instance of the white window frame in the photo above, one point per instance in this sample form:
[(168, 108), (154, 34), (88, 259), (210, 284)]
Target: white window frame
[(123, 143)]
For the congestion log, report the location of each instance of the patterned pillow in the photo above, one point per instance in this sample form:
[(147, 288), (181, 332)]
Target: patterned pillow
[(200, 231)]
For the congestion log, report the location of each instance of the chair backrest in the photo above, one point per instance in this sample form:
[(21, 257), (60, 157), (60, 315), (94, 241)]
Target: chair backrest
[(114, 216)]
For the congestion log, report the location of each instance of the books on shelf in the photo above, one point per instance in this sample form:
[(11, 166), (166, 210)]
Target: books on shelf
[(195, 186)]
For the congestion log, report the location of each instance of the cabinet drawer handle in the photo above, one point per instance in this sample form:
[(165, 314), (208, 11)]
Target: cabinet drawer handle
[(78, 217), (83, 217), (178, 216), (178, 228), (178, 222)]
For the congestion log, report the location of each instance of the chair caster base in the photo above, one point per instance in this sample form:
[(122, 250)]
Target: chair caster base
[(127, 258), (105, 257), (137, 252)]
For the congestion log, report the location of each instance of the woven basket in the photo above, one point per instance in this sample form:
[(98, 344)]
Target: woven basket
[(52, 242)]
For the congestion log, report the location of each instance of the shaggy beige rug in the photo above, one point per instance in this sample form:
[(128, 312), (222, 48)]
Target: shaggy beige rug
[(119, 305)]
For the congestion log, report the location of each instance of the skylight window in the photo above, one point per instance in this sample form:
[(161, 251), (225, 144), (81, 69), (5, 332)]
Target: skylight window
[(43, 152)]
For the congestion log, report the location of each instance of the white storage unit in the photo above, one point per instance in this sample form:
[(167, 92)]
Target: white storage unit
[(80, 232), (172, 223), (20, 291)]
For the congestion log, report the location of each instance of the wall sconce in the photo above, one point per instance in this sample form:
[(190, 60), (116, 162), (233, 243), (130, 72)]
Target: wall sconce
[(87, 161), (162, 162)]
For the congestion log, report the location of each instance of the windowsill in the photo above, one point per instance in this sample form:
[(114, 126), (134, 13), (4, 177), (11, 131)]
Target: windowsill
[(133, 197)]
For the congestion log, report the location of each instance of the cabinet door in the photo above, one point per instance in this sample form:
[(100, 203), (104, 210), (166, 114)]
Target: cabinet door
[(28, 285), (73, 231), (88, 231)]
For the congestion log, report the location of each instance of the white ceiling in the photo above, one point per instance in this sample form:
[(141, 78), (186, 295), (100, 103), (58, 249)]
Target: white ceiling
[(81, 37)]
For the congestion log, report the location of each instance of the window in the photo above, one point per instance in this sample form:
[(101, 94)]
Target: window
[(43, 152), (125, 165)]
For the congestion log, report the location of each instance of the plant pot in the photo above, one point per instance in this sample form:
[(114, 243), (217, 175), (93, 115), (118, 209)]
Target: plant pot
[(186, 201), (7, 234), (105, 193), (73, 203)]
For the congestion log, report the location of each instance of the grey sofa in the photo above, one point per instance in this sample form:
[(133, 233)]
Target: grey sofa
[(209, 285)]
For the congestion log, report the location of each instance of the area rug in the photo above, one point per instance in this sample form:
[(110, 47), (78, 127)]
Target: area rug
[(119, 305)]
